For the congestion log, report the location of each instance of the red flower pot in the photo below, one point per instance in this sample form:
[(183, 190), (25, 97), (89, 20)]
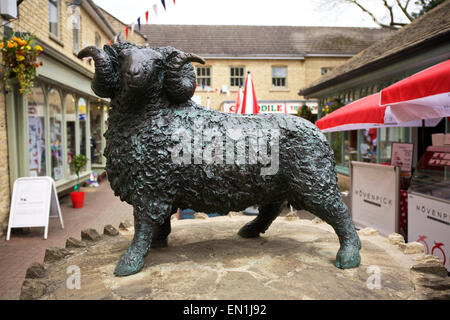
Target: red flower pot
[(77, 199)]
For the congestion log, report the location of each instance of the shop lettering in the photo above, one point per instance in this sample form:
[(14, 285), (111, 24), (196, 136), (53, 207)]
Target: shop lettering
[(377, 199), (434, 213)]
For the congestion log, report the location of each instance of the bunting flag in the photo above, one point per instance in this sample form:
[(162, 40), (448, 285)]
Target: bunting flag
[(133, 25)]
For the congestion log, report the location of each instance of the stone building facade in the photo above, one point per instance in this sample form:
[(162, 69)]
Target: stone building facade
[(280, 59), (62, 103)]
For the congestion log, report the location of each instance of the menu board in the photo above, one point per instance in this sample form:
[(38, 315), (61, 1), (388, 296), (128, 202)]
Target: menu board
[(402, 155)]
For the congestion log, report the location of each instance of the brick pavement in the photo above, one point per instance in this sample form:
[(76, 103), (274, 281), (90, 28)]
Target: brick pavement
[(100, 208)]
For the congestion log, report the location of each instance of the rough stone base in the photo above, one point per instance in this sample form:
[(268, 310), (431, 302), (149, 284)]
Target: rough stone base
[(206, 259)]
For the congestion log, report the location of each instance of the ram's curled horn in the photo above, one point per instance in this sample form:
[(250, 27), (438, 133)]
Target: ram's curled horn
[(179, 82), (106, 77)]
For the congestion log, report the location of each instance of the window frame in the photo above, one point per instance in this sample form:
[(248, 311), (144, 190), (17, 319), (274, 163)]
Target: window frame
[(233, 77), (56, 35), (201, 78), (283, 86)]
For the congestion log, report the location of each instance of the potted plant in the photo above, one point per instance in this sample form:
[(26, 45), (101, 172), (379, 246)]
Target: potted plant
[(78, 162), (19, 58)]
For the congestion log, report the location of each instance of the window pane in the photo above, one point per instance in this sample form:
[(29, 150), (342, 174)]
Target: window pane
[(56, 144), (336, 145), (387, 136), (279, 72), (53, 17), (232, 72), (96, 133), (368, 146), (70, 127), (350, 147), (82, 107), (36, 133)]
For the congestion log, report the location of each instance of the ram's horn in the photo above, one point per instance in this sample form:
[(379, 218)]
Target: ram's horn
[(105, 78), (179, 82)]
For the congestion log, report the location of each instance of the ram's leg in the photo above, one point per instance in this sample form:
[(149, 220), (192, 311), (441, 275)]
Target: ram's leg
[(261, 223), (161, 234), (133, 260), (331, 209)]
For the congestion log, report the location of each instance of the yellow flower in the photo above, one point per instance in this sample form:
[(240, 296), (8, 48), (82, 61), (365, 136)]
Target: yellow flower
[(2, 45), (28, 47), (19, 57), (38, 48), (10, 44)]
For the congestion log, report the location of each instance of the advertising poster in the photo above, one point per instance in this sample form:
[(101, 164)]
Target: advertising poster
[(402, 155), (429, 224), (374, 206)]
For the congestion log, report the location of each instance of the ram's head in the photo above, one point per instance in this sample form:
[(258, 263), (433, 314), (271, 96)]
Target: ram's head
[(141, 71)]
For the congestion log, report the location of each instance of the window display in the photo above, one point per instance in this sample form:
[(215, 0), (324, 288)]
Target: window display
[(56, 132), (36, 132), (96, 112), (70, 129), (82, 117)]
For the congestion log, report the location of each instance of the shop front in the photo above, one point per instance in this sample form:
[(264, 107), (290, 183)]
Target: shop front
[(60, 118)]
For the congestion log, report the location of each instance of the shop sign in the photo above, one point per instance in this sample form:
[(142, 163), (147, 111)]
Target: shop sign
[(34, 201), (429, 224), (276, 107), (375, 196)]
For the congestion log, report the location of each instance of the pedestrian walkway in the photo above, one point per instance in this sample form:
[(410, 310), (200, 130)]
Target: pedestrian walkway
[(100, 208)]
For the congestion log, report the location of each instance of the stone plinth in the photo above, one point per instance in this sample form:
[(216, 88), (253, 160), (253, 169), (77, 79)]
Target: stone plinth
[(206, 259)]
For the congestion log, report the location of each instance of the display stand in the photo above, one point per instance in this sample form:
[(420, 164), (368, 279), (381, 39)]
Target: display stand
[(34, 201), (375, 196)]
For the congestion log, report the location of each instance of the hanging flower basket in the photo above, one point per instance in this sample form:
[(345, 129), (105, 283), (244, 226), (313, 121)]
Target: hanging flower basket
[(19, 58), (331, 106)]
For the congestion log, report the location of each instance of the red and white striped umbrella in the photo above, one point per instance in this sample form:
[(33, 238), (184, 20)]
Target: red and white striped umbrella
[(249, 102), (238, 100), (423, 95), (365, 113)]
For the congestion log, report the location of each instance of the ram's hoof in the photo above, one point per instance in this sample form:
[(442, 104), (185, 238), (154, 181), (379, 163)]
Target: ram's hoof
[(249, 230), (129, 264), (348, 257)]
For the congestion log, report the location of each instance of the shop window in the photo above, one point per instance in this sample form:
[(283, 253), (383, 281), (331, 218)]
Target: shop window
[(368, 145), (204, 76), (56, 135), (336, 145), (237, 76), (279, 77), (387, 136), (36, 132), (350, 147), (53, 17), (96, 118), (82, 117), (70, 128)]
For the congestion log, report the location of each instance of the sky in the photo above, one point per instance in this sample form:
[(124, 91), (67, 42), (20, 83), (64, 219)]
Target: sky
[(243, 12)]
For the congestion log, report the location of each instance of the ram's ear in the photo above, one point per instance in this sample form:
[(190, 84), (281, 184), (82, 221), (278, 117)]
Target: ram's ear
[(106, 76), (180, 81)]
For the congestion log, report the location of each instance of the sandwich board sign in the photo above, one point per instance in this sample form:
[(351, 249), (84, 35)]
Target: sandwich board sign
[(34, 201)]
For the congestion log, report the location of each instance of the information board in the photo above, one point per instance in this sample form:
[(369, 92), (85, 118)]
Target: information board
[(375, 196), (34, 201)]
